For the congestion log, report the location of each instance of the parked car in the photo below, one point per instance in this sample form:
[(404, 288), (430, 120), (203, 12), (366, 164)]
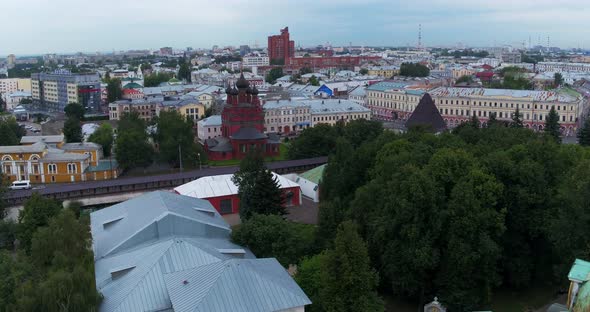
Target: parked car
[(21, 185)]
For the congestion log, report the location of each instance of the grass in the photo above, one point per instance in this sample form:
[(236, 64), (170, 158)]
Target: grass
[(283, 150)]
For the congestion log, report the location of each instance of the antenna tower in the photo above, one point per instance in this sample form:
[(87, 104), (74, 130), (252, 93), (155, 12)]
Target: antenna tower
[(419, 36)]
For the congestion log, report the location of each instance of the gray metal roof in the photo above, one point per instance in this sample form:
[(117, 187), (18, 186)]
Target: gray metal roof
[(81, 146), (42, 138), (238, 285), (58, 155), (248, 133), (38, 147), (153, 216)]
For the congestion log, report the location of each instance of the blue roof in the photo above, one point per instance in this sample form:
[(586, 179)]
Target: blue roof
[(104, 165)]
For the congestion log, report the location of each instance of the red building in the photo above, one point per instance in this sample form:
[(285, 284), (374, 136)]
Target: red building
[(222, 193), (280, 48), (242, 126)]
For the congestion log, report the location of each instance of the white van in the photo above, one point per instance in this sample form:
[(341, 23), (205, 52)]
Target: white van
[(21, 185)]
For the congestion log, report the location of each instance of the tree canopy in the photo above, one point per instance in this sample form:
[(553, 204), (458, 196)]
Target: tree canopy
[(174, 131), (156, 79), (274, 74), (414, 70), (72, 130), (132, 148), (103, 136), (584, 133), (114, 90), (552, 125)]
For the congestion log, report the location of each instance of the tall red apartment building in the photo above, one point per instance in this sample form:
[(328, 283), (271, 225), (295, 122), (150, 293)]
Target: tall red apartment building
[(280, 48)]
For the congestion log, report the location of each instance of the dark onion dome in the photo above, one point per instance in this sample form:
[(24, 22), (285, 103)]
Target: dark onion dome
[(242, 83), (234, 91), (228, 90), (254, 91), (248, 90)]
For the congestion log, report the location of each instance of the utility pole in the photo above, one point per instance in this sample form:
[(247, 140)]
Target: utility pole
[(180, 156)]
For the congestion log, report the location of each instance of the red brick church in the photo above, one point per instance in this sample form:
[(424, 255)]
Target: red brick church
[(242, 126)]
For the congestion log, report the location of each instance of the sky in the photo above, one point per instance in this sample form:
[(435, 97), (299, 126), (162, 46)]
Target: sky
[(62, 26)]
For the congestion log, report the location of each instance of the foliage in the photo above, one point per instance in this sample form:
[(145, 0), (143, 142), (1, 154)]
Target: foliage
[(36, 213), (465, 79), (347, 280), (114, 90), (517, 119), (313, 142), (72, 130), (156, 79), (74, 110), (558, 79), (132, 148), (414, 70), (533, 59), (584, 133), (273, 236), (222, 59), (313, 80), (258, 189), (308, 277), (305, 70), (363, 71), (7, 234), (274, 74), (552, 125), (7, 134), (465, 52), (277, 62), (173, 132), (103, 136), (184, 72)]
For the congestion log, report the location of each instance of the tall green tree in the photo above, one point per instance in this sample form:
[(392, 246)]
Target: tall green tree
[(517, 119), (114, 90), (74, 110), (258, 189), (313, 142), (274, 74), (414, 70), (492, 121), (349, 283), (36, 213), (175, 134), (103, 136), (552, 125), (132, 148), (308, 277), (184, 72), (584, 133), (314, 81), (72, 130), (7, 135), (558, 79)]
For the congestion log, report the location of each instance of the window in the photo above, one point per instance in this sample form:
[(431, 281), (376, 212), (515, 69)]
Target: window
[(72, 168), (52, 168), (225, 206), (7, 169)]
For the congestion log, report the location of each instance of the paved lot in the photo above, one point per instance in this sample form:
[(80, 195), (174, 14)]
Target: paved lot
[(306, 214)]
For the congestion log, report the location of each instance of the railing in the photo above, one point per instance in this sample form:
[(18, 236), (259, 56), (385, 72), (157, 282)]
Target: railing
[(132, 184)]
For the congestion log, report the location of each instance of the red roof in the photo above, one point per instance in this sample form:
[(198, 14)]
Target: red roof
[(131, 91), (485, 74), (486, 67)]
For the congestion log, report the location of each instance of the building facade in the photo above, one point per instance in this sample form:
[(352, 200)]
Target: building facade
[(10, 85), (392, 100), (53, 91), (562, 67), (383, 71), (281, 48), (253, 61), (457, 105), (242, 126), (208, 128)]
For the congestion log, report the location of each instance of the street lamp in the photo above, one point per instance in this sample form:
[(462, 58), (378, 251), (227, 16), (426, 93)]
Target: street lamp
[(199, 155)]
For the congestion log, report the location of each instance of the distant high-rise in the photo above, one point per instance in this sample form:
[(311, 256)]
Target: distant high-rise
[(280, 48), (53, 91), (11, 61)]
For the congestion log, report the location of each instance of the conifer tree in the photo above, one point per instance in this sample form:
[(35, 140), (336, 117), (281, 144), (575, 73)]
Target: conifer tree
[(517, 119), (584, 134), (552, 124)]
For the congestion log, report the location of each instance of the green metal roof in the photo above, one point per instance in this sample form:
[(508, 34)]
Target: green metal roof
[(104, 165), (314, 175), (132, 85), (580, 271)]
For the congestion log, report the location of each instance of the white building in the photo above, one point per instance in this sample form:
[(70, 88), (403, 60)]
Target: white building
[(252, 61), (563, 67), (13, 99), (208, 128)]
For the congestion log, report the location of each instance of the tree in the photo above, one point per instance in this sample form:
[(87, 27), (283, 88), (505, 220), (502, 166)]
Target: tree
[(155, 80), (552, 125), (313, 80), (517, 119), (273, 236), (175, 134), (584, 133), (7, 135), (36, 213), (132, 148), (414, 70), (103, 136), (184, 72), (258, 189), (363, 71), (558, 79), (464, 79), (274, 74), (72, 130), (308, 277), (313, 142), (114, 90), (492, 121), (74, 110), (348, 281)]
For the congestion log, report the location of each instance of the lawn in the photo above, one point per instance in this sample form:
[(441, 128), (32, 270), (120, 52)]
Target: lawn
[(283, 149)]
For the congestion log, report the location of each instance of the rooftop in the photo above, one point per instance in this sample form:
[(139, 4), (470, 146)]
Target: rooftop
[(50, 139), (314, 175), (81, 146), (534, 95), (210, 121)]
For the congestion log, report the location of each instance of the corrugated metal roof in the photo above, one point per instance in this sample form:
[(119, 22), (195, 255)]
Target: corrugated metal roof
[(580, 271), (314, 175), (144, 218), (221, 185), (527, 95), (237, 285)]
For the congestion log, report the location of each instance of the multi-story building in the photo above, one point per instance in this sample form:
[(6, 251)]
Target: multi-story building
[(10, 61), (252, 61), (188, 107), (358, 95), (286, 116), (10, 85), (145, 108), (208, 128), (389, 100), (280, 48), (383, 71), (41, 162), (511, 57), (562, 67), (457, 105), (53, 91)]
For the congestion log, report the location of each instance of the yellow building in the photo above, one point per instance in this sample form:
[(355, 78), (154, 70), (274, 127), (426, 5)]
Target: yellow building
[(41, 162), (383, 71), (189, 108)]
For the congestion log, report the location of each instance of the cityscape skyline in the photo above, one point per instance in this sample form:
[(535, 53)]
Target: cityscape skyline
[(202, 24)]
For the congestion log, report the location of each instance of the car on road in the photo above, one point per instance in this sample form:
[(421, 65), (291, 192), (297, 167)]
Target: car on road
[(21, 185)]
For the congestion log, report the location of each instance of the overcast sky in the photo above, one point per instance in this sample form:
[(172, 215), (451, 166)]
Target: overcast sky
[(57, 26)]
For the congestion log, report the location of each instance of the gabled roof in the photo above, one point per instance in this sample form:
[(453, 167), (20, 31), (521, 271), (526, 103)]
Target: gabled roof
[(38, 147), (81, 146), (149, 217), (314, 175), (426, 114), (49, 139), (238, 285), (221, 185), (248, 133)]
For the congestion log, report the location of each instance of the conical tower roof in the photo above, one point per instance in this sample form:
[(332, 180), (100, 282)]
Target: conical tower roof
[(426, 114)]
